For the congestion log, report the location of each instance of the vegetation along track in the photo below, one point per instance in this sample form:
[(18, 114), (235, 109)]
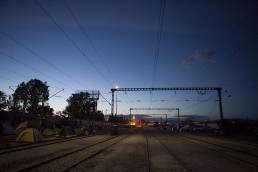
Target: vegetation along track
[(70, 160), (228, 148)]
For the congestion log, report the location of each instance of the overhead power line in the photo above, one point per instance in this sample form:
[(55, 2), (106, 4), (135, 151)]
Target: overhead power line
[(159, 33), (9, 79), (37, 55), (34, 53), (156, 56), (78, 48), (15, 72), (24, 77), (229, 57), (75, 45), (220, 46), (88, 38), (24, 64), (40, 57)]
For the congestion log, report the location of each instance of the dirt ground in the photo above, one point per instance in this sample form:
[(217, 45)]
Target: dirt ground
[(131, 155)]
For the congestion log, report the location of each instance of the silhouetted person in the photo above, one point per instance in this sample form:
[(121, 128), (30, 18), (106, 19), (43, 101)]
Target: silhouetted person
[(63, 132)]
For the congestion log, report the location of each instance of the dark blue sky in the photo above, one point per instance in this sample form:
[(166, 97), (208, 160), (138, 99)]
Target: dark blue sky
[(202, 43)]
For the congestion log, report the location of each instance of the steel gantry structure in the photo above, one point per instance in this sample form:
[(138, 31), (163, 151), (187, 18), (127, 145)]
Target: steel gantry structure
[(157, 109), (218, 89)]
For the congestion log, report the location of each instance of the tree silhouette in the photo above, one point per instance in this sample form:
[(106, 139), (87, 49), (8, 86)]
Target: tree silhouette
[(30, 97), (20, 98), (37, 93), (3, 100), (80, 105)]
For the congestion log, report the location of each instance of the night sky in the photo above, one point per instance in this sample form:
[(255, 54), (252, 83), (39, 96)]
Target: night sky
[(98, 45)]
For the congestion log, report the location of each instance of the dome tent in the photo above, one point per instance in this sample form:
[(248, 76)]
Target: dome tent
[(30, 135)]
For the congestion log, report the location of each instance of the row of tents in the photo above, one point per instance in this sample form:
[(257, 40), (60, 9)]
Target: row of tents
[(26, 133)]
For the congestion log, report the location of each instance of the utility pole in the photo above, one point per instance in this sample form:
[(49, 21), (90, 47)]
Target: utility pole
[(112, 105), (130, 115), (221, 111), (116, 103), (178, 117)]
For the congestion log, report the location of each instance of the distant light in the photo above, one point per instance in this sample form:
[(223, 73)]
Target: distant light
[(132, 123), (117, 87)]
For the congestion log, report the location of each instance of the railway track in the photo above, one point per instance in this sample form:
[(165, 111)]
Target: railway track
[(223, 147), (158, 152), (147, 153), (69, 160), (250, 140), (32, 145), (148, 150)]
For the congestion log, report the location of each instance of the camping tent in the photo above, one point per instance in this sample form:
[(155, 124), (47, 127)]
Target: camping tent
[(49, 132), (30, 135), (7, 129), (31, 123), (187, 128), (23, 126)]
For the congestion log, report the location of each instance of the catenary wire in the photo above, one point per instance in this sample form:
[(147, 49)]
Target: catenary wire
[(75, 45), (14, 72), (88, 38), (9, 79), (223, 43), (220, 46), (159, 34), (43, 59), (23, 77), (34, 53), (229, 57), (22, 63), (37, 55), (157, 48)]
